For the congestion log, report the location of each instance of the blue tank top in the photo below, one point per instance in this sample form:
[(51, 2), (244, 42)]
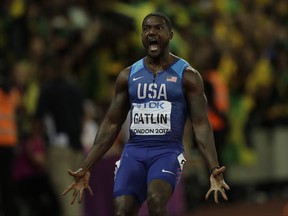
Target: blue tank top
[(158, 105)]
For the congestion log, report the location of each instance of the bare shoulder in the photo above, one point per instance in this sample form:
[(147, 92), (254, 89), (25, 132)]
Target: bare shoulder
[(192, 79), (122, 78)]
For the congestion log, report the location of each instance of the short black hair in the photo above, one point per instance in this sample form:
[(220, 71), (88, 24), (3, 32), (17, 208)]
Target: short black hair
[(161, 15)]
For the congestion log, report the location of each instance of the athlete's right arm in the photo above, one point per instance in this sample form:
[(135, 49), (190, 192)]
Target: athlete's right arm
[(112, 123), (106, 135)]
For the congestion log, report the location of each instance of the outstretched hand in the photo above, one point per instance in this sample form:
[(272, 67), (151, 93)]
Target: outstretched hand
[(81, 182), (217, 183)]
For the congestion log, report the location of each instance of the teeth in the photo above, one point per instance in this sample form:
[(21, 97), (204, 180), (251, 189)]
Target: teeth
[(153, 47)]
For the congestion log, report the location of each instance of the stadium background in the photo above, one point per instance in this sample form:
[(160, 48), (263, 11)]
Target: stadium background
[(239, 46)]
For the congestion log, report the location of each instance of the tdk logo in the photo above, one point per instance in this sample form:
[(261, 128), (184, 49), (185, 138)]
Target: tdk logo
[(152, 105)]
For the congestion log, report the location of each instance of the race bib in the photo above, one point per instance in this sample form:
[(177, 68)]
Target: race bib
[(152, 118)]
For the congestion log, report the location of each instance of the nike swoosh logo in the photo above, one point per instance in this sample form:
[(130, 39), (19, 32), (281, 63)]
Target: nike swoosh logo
[(166, 171), (137, 78)]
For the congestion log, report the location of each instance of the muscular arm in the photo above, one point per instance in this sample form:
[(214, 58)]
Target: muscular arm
[(112, 123), (197, 103)]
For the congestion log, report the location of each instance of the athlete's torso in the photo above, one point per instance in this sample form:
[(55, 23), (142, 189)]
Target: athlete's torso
[(158, 105)]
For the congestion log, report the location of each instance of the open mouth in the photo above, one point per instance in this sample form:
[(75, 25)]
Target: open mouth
[(153, 45)]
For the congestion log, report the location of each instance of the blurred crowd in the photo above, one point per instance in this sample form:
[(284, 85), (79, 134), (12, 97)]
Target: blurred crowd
[(78, 47)]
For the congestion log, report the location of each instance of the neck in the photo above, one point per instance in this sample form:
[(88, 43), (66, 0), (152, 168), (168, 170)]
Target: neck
[(160, 60), (159, 64)]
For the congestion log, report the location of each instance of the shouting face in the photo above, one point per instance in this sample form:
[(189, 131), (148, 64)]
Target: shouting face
[(156, 35)]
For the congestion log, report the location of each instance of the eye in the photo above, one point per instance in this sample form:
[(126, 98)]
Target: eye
[(145, 28)]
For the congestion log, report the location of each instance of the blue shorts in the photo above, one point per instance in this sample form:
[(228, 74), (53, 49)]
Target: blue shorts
[(140, 165)]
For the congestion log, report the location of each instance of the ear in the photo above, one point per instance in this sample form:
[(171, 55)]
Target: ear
[(171, 35)]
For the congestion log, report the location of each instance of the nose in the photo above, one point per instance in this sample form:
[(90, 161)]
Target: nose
[(151, 31)]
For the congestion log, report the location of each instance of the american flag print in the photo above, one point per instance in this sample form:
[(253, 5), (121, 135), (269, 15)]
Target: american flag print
[(171, 79)]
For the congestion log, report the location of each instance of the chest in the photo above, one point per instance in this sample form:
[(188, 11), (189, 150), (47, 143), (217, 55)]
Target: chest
[(145, 86)]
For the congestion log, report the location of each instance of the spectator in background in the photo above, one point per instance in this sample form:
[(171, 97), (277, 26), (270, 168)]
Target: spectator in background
[(31, 180), (32, 183), (278, 111), (9, 102), (90, 124), (217, 94), (60, 109), (218, 120), (24, 79)]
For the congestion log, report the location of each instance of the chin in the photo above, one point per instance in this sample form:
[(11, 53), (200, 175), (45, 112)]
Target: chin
[(154, 54)]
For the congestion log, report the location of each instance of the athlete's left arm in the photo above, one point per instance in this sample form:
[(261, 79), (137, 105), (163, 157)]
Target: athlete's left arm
[(197, 103), (194, 91)]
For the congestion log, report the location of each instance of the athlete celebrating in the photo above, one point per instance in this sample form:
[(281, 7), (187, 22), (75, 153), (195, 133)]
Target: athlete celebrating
[(160, 90)]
